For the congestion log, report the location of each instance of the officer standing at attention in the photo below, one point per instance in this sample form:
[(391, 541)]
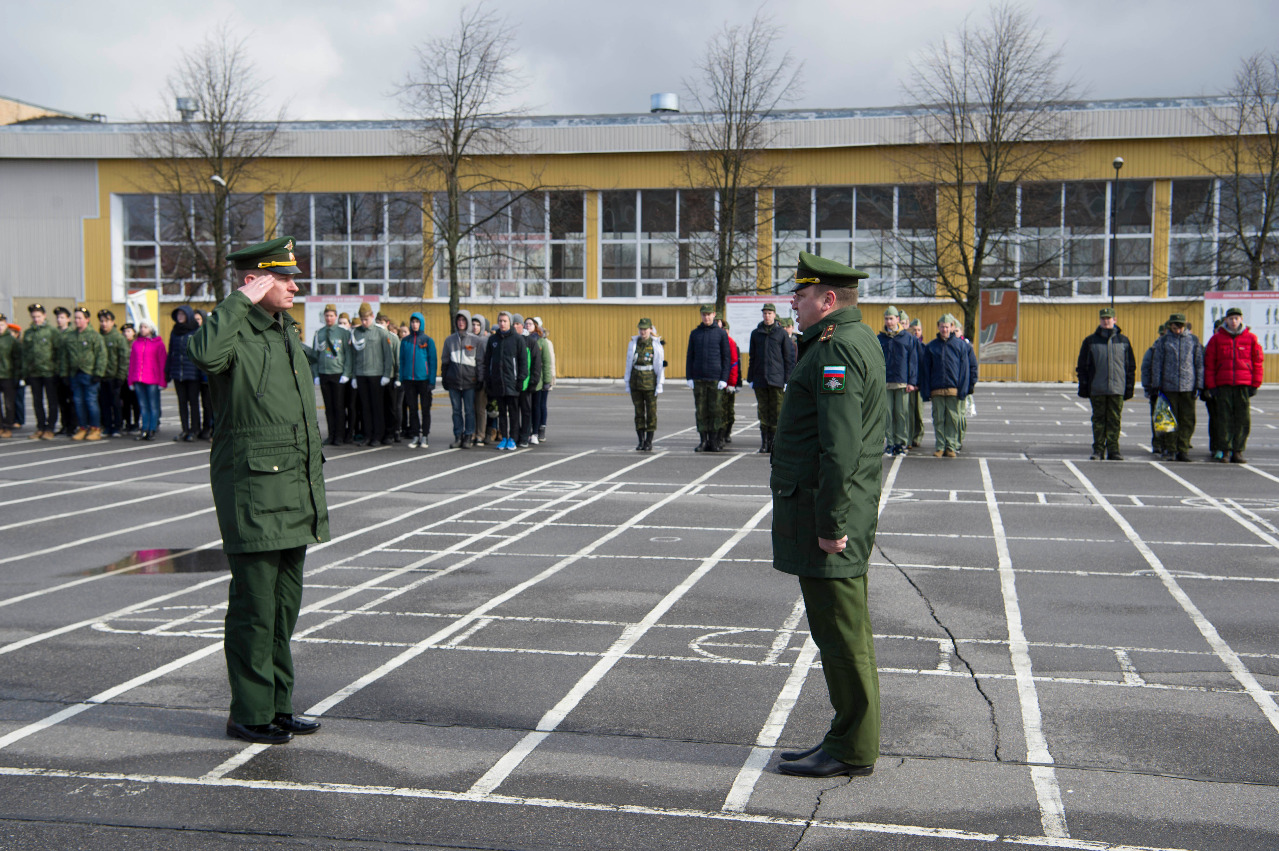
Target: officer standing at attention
[(707, 364), (331, 361), (826, 483), (772, 358), (645, 374), (268, 485)]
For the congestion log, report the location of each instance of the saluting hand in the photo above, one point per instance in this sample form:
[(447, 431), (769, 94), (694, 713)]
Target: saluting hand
[(257, 288), (833, 547)]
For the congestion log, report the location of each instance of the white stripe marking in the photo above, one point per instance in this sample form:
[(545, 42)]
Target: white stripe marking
[(1052, 813), (1217, 504)]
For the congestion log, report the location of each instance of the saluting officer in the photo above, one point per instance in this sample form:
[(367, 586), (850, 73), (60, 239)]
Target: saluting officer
[(268, 485), (826, 482), (645, 375)]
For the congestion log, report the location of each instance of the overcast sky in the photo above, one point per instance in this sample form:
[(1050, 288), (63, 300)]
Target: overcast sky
[(336, 60)]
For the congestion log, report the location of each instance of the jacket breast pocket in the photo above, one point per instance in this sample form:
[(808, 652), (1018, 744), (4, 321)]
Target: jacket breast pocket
[(785, 508), (275, 483)]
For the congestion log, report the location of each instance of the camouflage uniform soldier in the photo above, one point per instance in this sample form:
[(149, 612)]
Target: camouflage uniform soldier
[(706, 367), (644, 375), (826, 482), (113, 379), (40, 369)]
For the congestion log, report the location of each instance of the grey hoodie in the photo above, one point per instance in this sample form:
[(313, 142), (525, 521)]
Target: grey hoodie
[(462, 358)]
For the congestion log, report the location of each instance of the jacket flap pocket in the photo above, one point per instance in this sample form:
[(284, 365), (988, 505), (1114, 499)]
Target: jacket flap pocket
[(781, 487), (272, 463)]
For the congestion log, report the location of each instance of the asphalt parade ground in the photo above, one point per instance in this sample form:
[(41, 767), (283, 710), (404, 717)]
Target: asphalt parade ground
[(583, 646)]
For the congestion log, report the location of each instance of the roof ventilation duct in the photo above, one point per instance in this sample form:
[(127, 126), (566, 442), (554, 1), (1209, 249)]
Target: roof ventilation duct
[(664, 102)]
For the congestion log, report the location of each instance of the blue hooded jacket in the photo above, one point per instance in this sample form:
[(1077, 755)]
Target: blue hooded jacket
[(417, 354), (947, 363)]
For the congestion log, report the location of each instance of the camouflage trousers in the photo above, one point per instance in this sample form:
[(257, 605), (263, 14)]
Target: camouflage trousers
[(645, 402), (710, 413), (769, 400)]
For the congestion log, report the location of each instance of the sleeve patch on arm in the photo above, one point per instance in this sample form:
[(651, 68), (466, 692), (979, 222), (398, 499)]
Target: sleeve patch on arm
[(833, 379)]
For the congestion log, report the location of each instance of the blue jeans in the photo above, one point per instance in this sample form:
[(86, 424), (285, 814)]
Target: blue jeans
[(149, 402), (463, 402), (539, 409), (84, 392)]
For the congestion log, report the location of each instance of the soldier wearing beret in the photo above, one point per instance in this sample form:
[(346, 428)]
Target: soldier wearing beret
[(66, 400), (644, 374), (268, 483), (707, 364), (84, 357), (331, 361), (115, 376), (772, 357), (1107, 371), (826, 481), (39, 367), (10, 375)]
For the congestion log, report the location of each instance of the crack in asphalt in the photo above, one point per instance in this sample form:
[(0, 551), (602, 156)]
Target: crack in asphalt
[(817, 805), (990, 704)]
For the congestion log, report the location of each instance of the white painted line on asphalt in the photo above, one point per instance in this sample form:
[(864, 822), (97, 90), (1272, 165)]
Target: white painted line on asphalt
[(107, 506), (1052, 813), (1261, 472), (73, 457), (748, 775), (1232, 661), (1218, 504), (630, 636), (744, 784), (94, 471), (109, 483), (1252, 515), (784, 635), (412, 793)]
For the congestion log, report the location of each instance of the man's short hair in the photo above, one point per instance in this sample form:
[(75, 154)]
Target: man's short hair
[(844, 296), (502, 313)]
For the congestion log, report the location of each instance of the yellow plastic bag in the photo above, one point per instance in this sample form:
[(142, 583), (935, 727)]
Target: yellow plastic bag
[(1165, 422)]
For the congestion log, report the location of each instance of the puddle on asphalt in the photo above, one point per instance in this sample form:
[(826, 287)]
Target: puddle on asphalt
[(165, 561)]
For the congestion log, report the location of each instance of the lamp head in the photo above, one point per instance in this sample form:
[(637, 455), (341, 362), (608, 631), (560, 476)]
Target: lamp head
[(1118, 163)]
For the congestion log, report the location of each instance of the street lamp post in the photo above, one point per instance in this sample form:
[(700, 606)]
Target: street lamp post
[(1114, 225)]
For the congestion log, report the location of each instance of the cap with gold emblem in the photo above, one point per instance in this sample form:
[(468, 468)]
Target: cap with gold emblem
[(274, 255), (1106, 313), (818, 270), (61, 311), (32, 308), (106, 314), (330, 308)]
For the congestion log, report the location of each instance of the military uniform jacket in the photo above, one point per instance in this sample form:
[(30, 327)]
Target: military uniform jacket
[(84, 351), (826, 454), (117, 355), (330, 351), (265, 465), (373, 352), (40, 351), (10, 356), (62, 338)]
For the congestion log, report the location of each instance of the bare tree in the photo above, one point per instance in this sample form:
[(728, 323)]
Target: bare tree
[(462, 140), (990, 121), (741, 81), (211, 170), (1244, 156)]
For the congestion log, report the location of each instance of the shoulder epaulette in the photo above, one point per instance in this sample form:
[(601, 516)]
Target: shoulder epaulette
[(828, 333)]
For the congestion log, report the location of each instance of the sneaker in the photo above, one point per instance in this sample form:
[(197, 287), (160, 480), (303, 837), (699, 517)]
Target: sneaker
[(520, 445), (533, 440), (1219, 456), (457, 442), (415, 443), (541, 433), (499, 445)]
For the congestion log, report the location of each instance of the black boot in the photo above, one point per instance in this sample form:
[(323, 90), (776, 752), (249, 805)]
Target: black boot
[(639, 447), (725, 436), (771, 435), (648, 441), (763, 441), (701, 443)]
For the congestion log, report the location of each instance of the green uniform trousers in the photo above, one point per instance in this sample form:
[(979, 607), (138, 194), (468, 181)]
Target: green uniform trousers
[(645, 402), (1107, 413), (946, 418), (839, 620), (710, 414), (1183, 408), (899, 429), (1216, 434), (1234, 412), (266, 592), (917, 406), (769, 400), (728, 409)]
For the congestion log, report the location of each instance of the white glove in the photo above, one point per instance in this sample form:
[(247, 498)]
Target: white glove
[(690, 384), (657, 392), (22, 382), (317, 381), (733, 390), (397, 382), (548, 388), (354, 383), (385, 381), (750, 384), (344, 379), (720, 385)]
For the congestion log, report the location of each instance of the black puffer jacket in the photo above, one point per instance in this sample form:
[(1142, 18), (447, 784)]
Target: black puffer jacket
[(1106, 364), (771, 358), (506, 360), (179, 366), (709, 356)]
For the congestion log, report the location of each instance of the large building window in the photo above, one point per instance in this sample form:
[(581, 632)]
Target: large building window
[(1055, 239), (660, 243), (1209, 220), (161, 235), (886, 231), (515, 245), (367, 243)]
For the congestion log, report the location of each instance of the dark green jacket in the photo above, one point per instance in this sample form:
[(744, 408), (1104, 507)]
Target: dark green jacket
[(827, 451), (10, 356), (265, 465), (373, 352), (41, 349), (330, 351), (64, 368), (117, 355), (84, 351)]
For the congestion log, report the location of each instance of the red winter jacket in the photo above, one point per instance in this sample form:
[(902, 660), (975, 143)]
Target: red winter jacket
[(1233, 360), (735, 359)]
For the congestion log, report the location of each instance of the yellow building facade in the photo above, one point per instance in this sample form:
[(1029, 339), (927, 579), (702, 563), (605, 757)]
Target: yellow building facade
[(617, 229)]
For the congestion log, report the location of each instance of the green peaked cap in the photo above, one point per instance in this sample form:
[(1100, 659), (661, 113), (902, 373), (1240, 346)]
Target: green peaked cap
[(275, 255), (818, 270)]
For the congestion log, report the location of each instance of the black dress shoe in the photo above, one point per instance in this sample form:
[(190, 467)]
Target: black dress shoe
[(822, 764), (791, 756), (259, 734), (296, 725)]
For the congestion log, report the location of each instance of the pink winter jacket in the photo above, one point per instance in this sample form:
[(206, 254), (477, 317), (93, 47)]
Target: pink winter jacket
[(146, 361)]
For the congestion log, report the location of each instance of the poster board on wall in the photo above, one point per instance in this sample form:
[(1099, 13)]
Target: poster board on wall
[(1260, 313), (743, 314), (997, 320)]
